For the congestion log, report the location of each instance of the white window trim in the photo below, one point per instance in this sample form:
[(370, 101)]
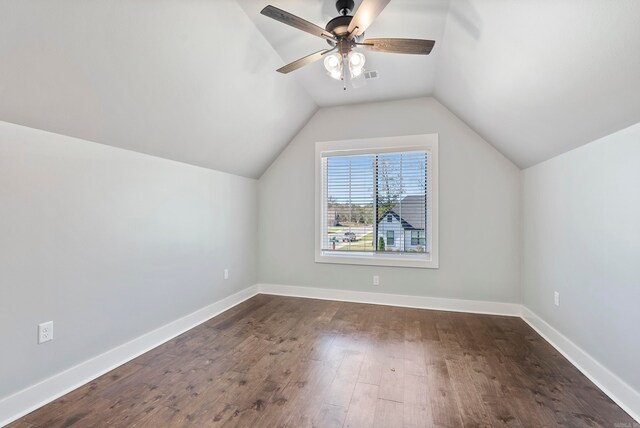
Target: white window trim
[(426, 142)]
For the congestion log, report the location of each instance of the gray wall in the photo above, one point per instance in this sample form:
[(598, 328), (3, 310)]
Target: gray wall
[(109, 244), (581, 237), (479, 208)]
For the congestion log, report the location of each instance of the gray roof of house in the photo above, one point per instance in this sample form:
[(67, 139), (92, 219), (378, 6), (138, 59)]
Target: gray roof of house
[(411, 212)]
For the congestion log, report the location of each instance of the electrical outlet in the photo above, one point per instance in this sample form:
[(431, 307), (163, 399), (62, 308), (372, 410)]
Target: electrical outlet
[(45, 332), (226, 274), (376, 280), (556, 298)]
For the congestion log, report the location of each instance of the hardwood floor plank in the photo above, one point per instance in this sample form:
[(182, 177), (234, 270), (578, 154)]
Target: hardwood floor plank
[(390, 414), (470, 404), (414, 361), (341, 389), (392, 379), (291, 362), (302, 396), (442, 398), (371, 369), (329, 416), (362, 407), (417, 407)]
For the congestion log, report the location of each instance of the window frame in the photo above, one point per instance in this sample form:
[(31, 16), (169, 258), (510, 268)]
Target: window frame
[(424, 142)]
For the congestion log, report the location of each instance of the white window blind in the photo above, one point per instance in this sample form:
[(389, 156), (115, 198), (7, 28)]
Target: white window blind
[(349, 202), (375, 202)]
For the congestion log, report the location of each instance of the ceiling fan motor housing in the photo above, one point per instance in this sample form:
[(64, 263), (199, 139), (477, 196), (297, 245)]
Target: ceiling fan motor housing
[(340, 27)]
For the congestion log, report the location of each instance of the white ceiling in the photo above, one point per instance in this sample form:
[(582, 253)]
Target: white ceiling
[(188, 80), (401, 76), (195, 80), (538, 78)]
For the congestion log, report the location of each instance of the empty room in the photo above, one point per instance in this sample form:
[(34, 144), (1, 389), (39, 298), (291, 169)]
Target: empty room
[(319, 213)]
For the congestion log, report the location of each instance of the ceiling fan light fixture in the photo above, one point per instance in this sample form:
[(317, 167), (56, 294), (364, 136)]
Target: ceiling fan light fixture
[(356, 63), (333, 64), (336, 75)]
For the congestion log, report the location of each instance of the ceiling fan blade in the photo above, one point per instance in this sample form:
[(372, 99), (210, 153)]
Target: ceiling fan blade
[(365, 15), (296, 22), (403, 46), (304, 61)]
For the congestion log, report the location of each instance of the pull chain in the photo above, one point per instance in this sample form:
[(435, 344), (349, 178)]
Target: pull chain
[(344, 73)]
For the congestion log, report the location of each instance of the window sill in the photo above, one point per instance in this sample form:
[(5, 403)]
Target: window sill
[(425, 261)]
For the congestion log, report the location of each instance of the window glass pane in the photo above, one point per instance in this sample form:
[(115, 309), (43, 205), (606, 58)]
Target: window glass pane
[(375, 202), (349, 198), (401, 182)]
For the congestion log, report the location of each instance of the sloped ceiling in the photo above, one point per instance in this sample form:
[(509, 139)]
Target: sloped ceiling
[(195, 80), (188, 80), (538, 78)]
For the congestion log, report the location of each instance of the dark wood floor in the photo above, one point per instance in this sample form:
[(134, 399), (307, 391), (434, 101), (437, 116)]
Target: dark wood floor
[(281, 361)]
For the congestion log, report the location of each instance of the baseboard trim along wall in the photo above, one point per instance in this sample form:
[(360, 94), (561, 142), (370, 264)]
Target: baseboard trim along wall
[(622, 394), (23, 402), (35, 396), (420, 302)]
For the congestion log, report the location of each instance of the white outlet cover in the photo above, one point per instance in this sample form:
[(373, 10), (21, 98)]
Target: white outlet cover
[(376, 280), (45, 332), (556, 298), (226, 274)]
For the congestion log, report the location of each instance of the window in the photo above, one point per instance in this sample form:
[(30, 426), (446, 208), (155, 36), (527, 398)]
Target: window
[(417, 237), (390, 238), (376, 201)]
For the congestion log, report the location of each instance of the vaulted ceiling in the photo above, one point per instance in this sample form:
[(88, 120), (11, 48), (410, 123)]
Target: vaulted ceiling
[(538, 78), (195, 80), (189, 80)]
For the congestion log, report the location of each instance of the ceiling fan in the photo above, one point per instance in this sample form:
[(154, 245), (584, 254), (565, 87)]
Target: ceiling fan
[(345, 33)]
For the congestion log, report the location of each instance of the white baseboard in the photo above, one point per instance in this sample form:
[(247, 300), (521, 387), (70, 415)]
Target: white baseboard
[(420, 302), (622, 394), (35, 396)]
